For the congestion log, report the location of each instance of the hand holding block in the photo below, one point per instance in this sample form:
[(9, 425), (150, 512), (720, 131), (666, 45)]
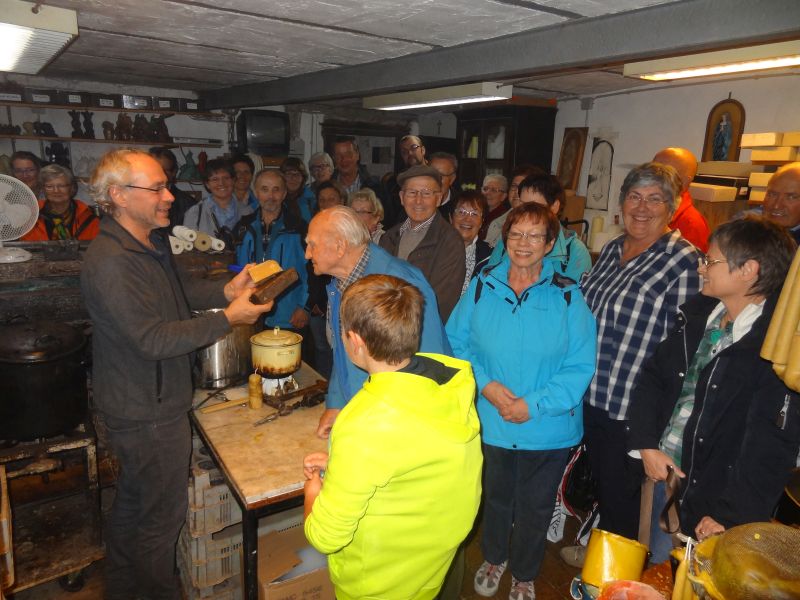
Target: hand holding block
[(272, 287)]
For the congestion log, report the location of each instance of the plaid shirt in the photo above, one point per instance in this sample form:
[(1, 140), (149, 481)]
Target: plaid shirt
[(342, 284), (635, 305)]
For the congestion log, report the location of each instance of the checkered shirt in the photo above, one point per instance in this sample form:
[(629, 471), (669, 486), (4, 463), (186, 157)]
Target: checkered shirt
[(635, 305)]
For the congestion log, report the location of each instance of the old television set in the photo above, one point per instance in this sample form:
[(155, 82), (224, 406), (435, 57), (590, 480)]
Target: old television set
[(263, 132)]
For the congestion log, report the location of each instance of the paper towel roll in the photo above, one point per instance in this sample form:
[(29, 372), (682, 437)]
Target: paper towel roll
[(599, 240), (184, 233), (187, 246), (176, 245), (203, 242), (217, 245)]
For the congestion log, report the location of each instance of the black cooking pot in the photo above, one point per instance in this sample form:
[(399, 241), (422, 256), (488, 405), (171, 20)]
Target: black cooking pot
[(42, 380)]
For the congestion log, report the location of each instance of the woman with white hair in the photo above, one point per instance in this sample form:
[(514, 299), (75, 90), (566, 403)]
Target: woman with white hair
[(369, 210), (495, 190)]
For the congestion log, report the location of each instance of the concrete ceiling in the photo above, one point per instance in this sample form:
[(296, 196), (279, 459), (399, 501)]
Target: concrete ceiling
[(262, 52)]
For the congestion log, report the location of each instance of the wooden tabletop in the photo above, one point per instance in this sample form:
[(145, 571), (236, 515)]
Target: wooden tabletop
[(263, 464)]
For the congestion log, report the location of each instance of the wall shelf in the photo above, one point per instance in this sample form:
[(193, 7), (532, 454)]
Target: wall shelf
[(113, 142), (148, 111)]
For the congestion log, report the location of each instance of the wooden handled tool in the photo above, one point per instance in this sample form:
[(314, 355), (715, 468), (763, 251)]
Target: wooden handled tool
[(224, 405)]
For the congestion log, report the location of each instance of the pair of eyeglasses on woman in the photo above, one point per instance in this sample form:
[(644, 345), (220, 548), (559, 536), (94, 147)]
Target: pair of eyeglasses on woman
[(533, 238), (463, 212), (704, 262), (57, 187)]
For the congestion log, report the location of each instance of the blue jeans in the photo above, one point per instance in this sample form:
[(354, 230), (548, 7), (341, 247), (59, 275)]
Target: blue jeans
[(149, 507), (519, 496)]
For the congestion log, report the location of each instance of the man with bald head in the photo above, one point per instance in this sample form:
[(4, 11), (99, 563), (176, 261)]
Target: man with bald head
[(687, 219), (338, 244), (782, 200)]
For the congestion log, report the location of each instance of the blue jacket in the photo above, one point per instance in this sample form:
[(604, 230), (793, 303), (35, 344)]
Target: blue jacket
[(346, 378), (307, 204), (569, 255), (541, 346), (285, 247)]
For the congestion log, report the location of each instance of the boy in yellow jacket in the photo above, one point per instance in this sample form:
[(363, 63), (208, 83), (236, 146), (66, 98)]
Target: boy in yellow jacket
[(403, 482)]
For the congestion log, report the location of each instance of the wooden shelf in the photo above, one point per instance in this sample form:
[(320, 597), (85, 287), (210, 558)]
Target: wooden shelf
[(113, 142), (148, 111)]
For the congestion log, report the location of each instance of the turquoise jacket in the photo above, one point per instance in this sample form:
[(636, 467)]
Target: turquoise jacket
[(346, 378), (403, 483), (540, 345), (569, 255), (285, 246)]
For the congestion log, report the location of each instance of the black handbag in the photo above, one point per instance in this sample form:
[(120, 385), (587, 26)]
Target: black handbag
[(579, 486)]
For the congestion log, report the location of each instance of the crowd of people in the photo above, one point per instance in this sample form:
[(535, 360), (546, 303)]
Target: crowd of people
[(649, 355)]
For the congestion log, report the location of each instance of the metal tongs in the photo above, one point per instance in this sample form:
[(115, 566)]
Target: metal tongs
[(311, 396)]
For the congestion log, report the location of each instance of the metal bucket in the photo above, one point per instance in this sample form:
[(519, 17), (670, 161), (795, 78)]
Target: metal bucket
[(226, 361)]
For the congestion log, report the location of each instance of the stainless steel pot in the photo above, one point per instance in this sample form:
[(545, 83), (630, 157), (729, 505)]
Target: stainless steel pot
[(276, 352), (227, 360)]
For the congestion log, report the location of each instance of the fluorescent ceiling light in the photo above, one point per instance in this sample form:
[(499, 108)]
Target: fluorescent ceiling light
[(454, 94), (721, 62), (30, 40)]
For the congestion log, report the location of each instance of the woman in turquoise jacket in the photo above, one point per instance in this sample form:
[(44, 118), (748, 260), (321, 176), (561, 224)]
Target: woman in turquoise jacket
[(531, 340)]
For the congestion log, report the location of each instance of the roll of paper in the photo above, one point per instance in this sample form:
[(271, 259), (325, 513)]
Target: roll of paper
[(217, 245), (203, 242), (176, 245), (187, 246), (184, 233)]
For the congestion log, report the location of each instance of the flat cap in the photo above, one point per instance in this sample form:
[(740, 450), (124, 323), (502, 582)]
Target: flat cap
[(419, 171)]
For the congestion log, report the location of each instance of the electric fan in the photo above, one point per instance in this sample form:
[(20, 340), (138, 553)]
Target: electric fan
[(18, 213)]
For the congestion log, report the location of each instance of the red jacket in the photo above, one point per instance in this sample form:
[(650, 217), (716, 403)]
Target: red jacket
[(85, 225), (688, 220)]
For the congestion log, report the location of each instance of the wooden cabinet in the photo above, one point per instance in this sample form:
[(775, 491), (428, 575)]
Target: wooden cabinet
[(496, 139)]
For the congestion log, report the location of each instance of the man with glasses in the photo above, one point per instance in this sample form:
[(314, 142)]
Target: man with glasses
[(447, 165), (425, 239), (320, 165), (143, 336), (782, 201), (25, 167), (495, 188), (244, 169), (411, 151)]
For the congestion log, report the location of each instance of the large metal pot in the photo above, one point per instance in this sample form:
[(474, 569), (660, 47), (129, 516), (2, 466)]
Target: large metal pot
[(276, 352), (42, 380), (227, 360)]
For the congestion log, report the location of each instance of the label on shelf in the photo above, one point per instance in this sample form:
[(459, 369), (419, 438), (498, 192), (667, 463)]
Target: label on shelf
[(9, 97), (74, 98), (106, 102)]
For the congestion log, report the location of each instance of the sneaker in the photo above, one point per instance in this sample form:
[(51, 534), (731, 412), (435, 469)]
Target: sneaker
[(487, 579), (573, 555), (521, 590)]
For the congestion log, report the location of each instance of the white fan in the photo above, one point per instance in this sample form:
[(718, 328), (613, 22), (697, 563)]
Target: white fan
[(18, 213)]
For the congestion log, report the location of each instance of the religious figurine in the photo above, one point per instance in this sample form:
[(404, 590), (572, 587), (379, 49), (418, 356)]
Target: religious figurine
[(88, 126), (108, 130), (75, 115), (140, 129), (189, 172)]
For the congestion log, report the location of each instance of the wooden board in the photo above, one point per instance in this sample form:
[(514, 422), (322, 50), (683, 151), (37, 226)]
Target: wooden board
[(263, 464)]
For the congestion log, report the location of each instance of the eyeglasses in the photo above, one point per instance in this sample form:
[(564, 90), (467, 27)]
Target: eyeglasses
[(28, 171), (491, 190), (410, 149), (156, 190), (57, 187), (413, 194), (463, 212), (447, 174), (534, 238), (651, 201), (707, 264), (365, 212), (316, 168), (292, 174)]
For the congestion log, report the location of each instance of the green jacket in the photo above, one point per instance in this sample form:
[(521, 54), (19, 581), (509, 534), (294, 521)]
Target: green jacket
[(403, 483)]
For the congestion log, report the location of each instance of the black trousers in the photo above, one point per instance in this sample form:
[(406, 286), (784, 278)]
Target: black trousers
[(149, 507), (618, 476)]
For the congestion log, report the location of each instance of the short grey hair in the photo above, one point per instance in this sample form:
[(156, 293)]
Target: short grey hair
[(270, 171), (346, 224), (326, 158), (653, 173), (444, 156), (113, 168), (50, 172), (369, 196), (497, 177)]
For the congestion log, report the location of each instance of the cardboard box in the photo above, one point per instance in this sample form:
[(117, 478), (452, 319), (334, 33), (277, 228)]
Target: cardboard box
[(707, 192), (791, 138), (38, 96), (106, 100), (79, 99), (760, 179), (755, 140), (277, 556), (137, 102), (778, 153), (757, 195), (160, 103), (726, 168)]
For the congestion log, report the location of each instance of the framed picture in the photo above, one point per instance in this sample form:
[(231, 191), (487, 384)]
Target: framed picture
[(571, 159), (724, 131), (599, 183)]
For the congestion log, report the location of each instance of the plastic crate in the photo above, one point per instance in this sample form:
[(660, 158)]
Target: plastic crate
[(212, 505), (227, 590)]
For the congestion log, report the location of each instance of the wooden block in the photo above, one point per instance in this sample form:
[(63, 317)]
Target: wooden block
[(759, 179), (791, 138), (273, 286), (756, 140), (757, 194), (712, 193), (263, 270), (777, 153), (726, 168)]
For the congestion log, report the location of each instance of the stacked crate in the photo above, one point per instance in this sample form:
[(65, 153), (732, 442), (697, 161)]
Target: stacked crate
[(772, 148)]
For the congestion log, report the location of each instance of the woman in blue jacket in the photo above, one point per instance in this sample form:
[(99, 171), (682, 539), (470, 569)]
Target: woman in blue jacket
[(531, 340)]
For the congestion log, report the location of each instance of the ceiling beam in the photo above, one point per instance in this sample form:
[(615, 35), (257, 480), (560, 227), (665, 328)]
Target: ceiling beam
[(657, 31)]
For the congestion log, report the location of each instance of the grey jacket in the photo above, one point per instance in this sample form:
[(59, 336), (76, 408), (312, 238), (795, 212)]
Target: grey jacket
[(440, 256), (143, 334)]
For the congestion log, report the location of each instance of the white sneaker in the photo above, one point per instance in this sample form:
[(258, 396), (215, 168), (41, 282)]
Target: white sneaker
[(487, 579), (521, 590)]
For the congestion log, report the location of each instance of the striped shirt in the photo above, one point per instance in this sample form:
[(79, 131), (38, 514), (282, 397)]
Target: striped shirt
[(635, 306)]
